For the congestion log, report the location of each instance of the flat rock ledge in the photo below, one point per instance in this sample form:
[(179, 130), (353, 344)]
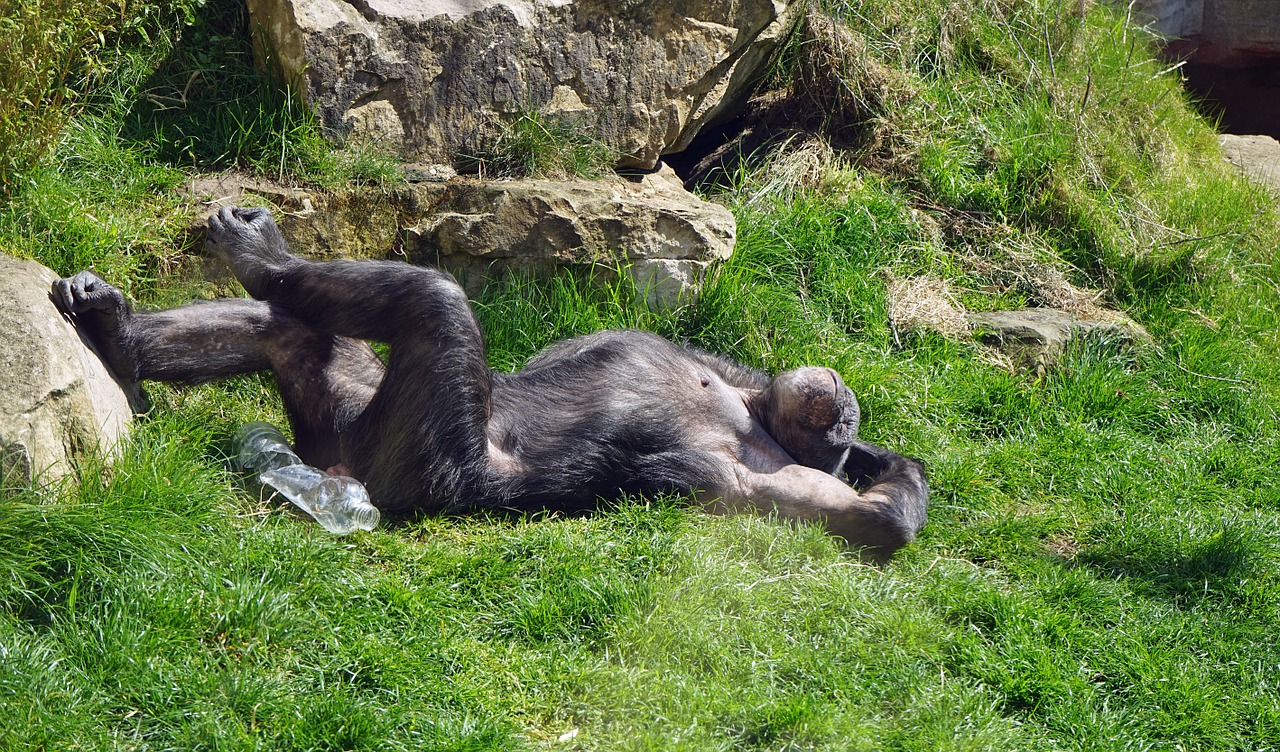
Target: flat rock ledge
[(1036, 338), (1258, 157), (1024, 339), (435, 80), (58, 402), (650, 228)]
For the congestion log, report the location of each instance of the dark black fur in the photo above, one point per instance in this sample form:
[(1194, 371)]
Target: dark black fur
[(434, 429)]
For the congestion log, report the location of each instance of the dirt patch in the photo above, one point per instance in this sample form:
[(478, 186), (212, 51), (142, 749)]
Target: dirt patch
[(1062, 546)]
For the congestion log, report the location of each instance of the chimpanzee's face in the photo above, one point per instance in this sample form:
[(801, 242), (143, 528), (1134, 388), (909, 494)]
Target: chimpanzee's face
[(813, 415)]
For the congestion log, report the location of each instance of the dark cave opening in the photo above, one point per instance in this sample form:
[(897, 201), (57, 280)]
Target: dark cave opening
[(1241, 100)]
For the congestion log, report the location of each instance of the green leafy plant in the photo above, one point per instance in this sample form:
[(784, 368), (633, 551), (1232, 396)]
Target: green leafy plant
[(55, 52)]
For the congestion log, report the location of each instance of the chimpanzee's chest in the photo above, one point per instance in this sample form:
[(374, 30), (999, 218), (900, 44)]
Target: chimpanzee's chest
[(612, 417)]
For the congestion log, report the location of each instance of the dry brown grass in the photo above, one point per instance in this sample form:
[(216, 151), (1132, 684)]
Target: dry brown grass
[(925, 302), (838, 86)]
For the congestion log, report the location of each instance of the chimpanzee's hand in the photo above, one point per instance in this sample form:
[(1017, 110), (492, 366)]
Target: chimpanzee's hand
[(866, 462), (102, 315)]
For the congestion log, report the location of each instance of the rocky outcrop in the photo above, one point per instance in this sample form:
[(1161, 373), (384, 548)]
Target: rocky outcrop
[(57, 399), (436, 79), (1222, 32), (660, 234), (1171, 19)]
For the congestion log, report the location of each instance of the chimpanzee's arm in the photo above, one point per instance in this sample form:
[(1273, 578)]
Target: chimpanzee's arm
[(192, 343), (880, 517), (880, 520)]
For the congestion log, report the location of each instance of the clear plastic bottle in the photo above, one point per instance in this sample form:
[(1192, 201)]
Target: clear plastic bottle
[(261, 447), (339, 503)]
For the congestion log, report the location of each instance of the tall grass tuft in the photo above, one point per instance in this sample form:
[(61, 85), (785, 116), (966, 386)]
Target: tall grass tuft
[(53, 53), (532, 145)]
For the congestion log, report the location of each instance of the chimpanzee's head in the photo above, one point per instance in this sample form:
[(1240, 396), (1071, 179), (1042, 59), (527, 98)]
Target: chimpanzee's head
[(812, 415)]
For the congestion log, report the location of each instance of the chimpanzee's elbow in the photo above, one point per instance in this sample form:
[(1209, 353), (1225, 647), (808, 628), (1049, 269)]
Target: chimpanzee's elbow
[(901, 508)]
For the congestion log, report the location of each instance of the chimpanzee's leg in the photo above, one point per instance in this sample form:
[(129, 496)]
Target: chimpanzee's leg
[(421, 442), (326, 381)]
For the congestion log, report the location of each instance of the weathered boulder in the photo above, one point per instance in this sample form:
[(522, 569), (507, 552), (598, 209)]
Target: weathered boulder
[(1031, 339), (651, 227), (435, 79), (662, 235), (1223, 32), (1171, 19), (57, 400)]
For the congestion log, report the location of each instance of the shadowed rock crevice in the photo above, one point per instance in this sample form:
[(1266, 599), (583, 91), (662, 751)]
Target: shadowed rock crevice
[(1229, 51), (834, 93)]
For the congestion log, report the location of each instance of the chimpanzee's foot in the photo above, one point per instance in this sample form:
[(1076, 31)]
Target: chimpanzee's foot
[(251, 244), (100, 312), (88, 295)]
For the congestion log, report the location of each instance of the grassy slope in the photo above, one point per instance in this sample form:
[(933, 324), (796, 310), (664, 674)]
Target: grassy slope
[(1098, 572)]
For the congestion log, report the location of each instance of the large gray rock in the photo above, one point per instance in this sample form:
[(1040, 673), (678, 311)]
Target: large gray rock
[(665, 237), (57, 400), (1171, 19), (652, 228), (1223, 32), (435, 79)]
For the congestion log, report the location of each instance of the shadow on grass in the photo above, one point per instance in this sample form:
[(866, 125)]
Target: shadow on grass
[(208, 106), (1217, 567)]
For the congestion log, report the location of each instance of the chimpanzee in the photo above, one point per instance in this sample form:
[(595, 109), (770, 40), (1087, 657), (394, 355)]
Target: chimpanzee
[(433, 429)]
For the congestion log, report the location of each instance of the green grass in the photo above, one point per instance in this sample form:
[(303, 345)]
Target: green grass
[(54, 53), (530, 145), (201, 103), (1099, 570)]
